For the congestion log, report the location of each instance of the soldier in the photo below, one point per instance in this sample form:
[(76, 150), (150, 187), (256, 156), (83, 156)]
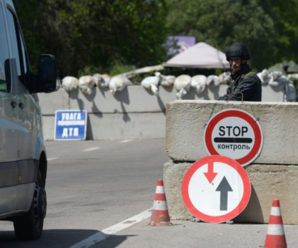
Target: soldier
[(245, 85)]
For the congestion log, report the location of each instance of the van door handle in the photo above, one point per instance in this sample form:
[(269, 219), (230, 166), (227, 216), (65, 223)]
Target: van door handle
[(13, 104), (21, 105)]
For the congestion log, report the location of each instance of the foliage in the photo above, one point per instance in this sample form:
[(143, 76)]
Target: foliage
[(223, 22), (119, 68), (96, 34), (89, 36), (30, 18), (286, 19)]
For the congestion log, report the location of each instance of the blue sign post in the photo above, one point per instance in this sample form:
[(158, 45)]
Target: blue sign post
[(70, 124)]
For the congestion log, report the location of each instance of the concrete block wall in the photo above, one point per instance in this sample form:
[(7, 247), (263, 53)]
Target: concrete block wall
[(186, 122), (273, 174), (133, 113), (269, 181)]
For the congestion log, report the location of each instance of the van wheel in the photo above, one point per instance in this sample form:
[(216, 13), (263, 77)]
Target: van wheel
[(29, 225)]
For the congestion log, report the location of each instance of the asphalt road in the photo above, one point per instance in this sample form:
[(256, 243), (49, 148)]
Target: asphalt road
[(93, 185)]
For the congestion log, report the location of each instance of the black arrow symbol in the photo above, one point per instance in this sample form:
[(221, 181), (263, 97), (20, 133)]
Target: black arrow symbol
[(224, 187)]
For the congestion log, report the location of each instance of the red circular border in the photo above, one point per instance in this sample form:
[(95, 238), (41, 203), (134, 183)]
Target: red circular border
[(241, 114), (237, 210)]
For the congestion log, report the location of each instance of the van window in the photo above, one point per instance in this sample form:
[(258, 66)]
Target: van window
[(13, 41), (24, 55), (17, 44), (4, 52)]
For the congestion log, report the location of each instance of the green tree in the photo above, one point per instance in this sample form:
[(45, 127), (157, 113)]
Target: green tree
[(30, 18), (97, 34), (223, 22), (285, 15)]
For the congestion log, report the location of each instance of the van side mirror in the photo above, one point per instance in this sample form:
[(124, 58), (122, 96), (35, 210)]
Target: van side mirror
[(47, 73)]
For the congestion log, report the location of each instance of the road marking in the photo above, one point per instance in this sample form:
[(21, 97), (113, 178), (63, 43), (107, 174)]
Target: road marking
[(49, 159), (91, 149), (105, 233), (128, 222), (126, 141)]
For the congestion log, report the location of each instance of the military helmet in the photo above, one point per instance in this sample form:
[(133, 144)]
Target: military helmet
[(237, 50)]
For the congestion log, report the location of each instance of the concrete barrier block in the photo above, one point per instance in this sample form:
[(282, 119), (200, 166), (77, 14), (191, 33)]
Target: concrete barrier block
[(48, 127), (50, 102), (115, 126), (268, 182), (133, 98), (172, 177), (186, 121), (126, 126), (271, 182)]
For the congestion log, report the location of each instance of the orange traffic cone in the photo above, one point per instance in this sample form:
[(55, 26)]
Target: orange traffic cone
[(160, 215), (275, 235)]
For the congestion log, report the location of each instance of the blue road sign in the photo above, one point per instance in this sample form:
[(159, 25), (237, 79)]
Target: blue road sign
[(70, 124)]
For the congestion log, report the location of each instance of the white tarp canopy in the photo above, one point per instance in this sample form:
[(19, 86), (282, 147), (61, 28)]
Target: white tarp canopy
[(201, 55)]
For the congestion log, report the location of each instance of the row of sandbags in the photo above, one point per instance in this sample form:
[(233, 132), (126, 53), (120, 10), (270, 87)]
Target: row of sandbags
[(276, 79), (182, 83), (88, 82)]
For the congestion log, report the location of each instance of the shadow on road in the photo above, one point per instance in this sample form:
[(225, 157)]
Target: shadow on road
[(112, 241), (57, 239)]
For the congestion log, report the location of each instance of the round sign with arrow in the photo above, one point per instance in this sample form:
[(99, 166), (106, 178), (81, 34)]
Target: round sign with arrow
[(216, 189)]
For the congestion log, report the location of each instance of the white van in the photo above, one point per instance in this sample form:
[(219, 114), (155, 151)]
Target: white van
[(23, 160)]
